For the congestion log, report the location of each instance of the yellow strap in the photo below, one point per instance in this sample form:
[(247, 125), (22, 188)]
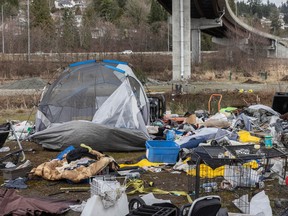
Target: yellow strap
[(138, 186), (85, 146), (142, 163)]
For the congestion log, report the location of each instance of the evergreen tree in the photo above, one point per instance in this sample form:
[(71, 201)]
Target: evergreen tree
[(70, 34), (40, 15), (85, 33), (136, 10), (242, 8), (266, 10), (206, 42), (78, 11), (122, 3), (255, 7), (275, 22), (10, 7), (284, 10), (109, 10), (157, 13)]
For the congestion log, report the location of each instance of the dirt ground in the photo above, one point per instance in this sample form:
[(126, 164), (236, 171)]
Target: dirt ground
[(165, 180)]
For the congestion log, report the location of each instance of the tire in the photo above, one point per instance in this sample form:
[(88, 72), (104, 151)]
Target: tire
[(135, 203)]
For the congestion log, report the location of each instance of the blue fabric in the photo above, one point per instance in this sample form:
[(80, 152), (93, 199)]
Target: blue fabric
[(18, 183), (246, 121), (170, 135), (193, 143), (64, 152)]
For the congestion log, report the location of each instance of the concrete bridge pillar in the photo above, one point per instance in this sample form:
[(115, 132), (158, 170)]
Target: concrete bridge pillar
[(181, 39), (182, 29), (196, 26), (196, 46)]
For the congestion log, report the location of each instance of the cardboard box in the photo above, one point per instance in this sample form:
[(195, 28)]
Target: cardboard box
[(13, 173)]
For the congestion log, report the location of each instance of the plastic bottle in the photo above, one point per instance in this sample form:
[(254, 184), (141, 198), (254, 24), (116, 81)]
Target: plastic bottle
[(268, 142), (170, 135), (209, 184)]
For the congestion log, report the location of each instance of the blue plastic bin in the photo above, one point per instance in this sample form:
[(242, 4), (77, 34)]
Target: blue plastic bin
[(162, 151)]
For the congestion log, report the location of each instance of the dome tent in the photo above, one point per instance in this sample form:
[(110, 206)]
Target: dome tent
[(101, 104)]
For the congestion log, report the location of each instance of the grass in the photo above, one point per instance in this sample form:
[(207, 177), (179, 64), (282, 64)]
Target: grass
[(17, 114)]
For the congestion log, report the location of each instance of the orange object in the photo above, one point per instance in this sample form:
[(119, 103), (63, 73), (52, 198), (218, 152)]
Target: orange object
[(219, 102), (179, 120)]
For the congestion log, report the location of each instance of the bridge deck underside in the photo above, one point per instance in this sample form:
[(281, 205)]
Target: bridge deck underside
[(210, 9)]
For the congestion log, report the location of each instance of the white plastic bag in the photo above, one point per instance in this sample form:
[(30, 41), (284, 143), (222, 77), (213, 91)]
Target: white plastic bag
[(260, 203)]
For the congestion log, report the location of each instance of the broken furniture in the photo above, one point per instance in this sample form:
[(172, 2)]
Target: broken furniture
[(14, 156), (280, 102), (213, 96), (157, 104), (203, 206)]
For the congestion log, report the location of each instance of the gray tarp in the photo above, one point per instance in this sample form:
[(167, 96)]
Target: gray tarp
[(95, 135)]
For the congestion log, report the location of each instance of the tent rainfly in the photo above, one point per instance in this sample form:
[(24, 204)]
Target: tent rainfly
[(101, 104)]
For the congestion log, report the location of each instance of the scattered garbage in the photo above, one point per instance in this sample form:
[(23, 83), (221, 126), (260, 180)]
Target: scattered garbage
[(22, 130), (243, 138), (107, 188), (260, 203)]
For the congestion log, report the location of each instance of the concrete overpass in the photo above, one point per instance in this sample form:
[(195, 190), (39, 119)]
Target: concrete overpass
[(216, 18)]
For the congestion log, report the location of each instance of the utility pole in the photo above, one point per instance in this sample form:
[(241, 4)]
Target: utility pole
[(28, 30), (3, 45), (168, 39), (236, 8)]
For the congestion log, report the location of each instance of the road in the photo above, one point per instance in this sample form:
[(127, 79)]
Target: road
[(198, 87), (192, 87)]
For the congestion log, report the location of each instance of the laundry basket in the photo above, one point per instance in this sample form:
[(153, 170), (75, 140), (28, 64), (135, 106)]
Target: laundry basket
[(108, 188)]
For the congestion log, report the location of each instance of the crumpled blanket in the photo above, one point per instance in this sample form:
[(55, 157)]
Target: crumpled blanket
[(19, 183), (12, 203), (55, 169)]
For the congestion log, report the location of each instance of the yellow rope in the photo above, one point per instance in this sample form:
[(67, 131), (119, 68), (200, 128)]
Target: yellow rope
[(138, 186)]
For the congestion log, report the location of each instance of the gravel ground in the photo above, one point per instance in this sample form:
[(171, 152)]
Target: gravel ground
[(29, 86)]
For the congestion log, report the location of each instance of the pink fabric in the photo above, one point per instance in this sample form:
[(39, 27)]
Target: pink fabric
[(13, 204)]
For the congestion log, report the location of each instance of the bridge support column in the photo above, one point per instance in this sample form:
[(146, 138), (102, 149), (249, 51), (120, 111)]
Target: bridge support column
[(196, 46), (181, 40), (196, 26)]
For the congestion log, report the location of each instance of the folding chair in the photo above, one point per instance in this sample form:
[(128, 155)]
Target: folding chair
[(5, 129), (218, 104), (202, 206)]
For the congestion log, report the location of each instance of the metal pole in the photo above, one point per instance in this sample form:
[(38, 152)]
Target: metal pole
[(168, 35), (182, 38), (3, 45), (28, 26), (236, 8)]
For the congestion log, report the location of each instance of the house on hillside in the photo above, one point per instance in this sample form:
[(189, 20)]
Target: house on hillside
[(61, 4), (267, 22)]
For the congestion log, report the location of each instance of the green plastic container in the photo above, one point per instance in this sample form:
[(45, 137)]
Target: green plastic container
[(268, 141)]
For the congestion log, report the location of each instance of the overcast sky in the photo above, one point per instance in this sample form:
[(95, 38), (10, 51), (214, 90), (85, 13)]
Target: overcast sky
[(277, 2)]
